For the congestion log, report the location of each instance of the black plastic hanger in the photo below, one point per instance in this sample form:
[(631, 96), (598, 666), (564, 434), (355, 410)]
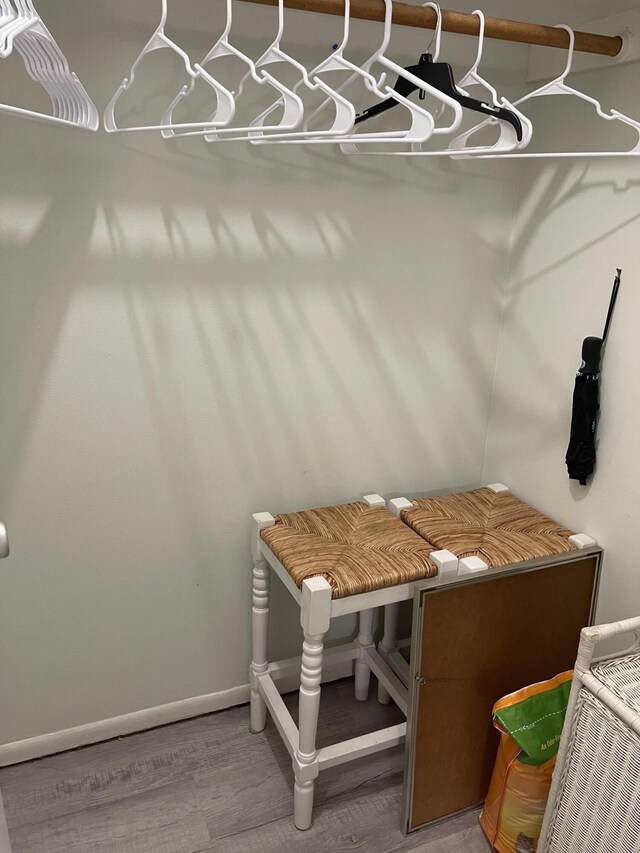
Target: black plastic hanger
[(440, 76)]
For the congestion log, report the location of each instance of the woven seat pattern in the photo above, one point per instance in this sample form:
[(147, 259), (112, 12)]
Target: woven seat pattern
[(357, 548), (498, 528)]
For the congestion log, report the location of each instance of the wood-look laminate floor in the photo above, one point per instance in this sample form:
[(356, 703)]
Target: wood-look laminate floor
[(208, 785)]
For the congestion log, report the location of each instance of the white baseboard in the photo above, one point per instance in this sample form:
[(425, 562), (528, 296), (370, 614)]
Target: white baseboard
[(149, 718), (126, 724)]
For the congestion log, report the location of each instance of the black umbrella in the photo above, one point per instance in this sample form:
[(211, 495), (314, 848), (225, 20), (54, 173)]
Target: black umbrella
[(581, 453)]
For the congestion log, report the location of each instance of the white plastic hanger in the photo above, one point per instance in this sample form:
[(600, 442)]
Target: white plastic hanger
[(275, 54), (423, 122), (422, 125), (559, 87), (292, 105), (12, 23), (508, 139), (472, 77), (350, 146), (158, 41), (441, 97), (46, 64), (345, 113), (7, 15), (293, 109)]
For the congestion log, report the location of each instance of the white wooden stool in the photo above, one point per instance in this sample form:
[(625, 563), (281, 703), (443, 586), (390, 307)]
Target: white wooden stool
[(336, 560)]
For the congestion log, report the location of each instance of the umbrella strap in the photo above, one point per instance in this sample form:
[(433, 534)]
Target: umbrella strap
[(612, 304)]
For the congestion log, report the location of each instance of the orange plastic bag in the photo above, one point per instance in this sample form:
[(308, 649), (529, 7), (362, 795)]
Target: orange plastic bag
[(531, 723)]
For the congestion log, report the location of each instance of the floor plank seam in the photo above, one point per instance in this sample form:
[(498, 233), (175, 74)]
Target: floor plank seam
[(253, 828), (349, 791)]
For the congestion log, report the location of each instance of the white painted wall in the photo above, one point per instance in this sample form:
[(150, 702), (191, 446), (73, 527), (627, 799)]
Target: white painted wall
[(576, 222), (190, 335)]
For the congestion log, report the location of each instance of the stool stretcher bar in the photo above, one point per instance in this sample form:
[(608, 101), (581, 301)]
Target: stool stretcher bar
[(358, 747), (279, 712), (386, 676), (400, 666), (406, 14)]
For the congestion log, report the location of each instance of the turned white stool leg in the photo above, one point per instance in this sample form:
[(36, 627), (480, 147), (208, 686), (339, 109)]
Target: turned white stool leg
[(315, 616), (388, 644), (259, 622), (365, 641)]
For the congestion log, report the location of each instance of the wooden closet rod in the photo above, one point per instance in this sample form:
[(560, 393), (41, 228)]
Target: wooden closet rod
[(457, 22)]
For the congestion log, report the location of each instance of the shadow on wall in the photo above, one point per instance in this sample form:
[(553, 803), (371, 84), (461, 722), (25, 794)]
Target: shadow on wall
[(554, 266), (255, 266), (44, 244)]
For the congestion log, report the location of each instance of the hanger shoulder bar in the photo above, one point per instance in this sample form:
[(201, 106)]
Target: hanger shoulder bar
[(408, 15)]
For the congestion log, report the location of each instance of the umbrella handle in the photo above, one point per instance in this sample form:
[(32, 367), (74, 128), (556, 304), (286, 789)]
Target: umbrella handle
[(591, 355)]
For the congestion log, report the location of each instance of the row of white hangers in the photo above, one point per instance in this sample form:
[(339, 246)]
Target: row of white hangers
[(294, 124), (20, 26)]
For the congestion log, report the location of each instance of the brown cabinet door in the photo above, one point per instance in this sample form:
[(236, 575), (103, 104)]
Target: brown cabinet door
[(481, 641)]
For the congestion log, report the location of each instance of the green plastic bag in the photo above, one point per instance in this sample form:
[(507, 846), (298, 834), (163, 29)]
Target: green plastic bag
[(535, 722), (531, 722)]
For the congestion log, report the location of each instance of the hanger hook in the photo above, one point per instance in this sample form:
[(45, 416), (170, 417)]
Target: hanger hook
[(345, 31), (227, 28), (388, 15), (278, 38), (438, 32), (480, 15), (376, 86), (572, 42), (165, 14)]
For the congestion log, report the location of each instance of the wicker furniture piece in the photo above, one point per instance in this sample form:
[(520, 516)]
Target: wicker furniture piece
[(594, 803)]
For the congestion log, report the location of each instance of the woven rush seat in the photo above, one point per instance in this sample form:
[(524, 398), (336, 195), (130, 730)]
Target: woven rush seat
[(355, 547), (497, 528)]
